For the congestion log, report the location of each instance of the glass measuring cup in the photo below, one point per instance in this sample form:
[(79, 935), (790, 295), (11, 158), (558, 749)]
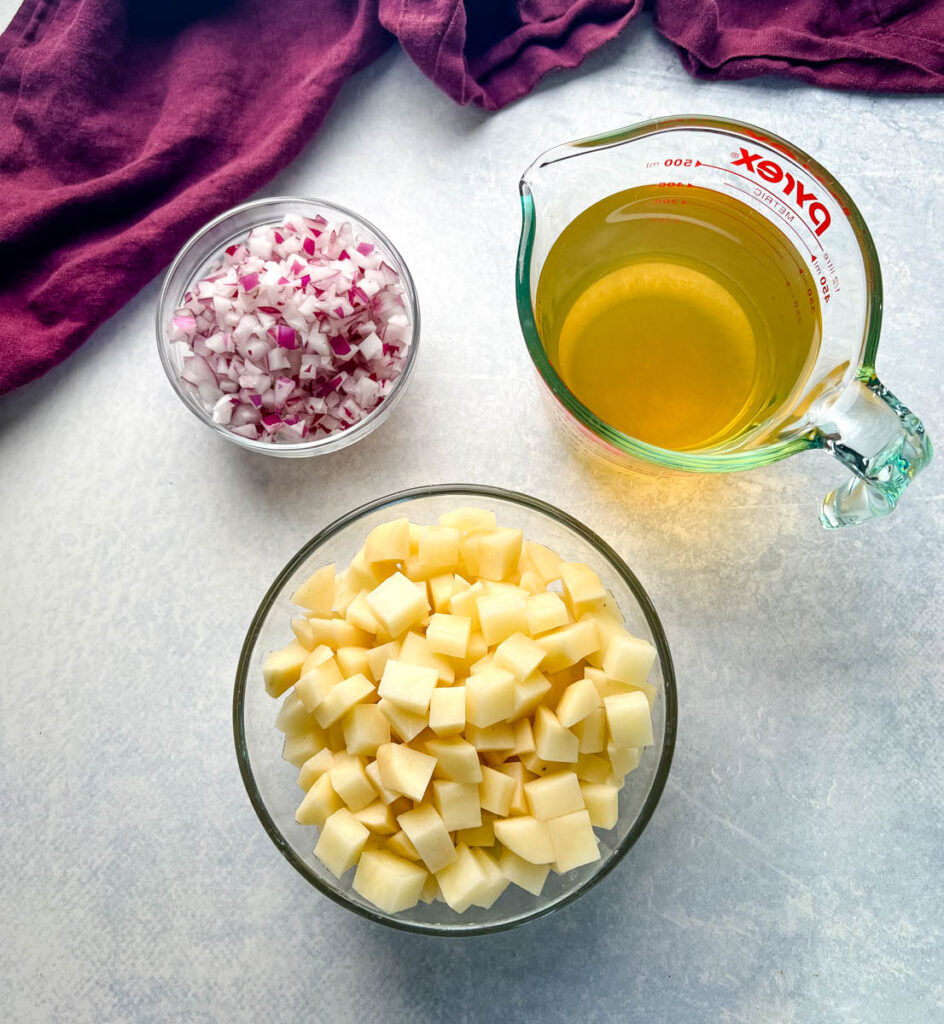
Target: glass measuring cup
[(841, 406)]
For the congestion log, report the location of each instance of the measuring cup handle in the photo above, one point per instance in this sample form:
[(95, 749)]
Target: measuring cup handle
[(882, 442)]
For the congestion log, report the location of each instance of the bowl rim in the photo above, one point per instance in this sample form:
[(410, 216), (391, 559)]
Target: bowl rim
[(652, 620), (341, 438)]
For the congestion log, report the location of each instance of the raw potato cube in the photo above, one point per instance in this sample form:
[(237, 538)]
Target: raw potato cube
[(529, 694), (317, 592), (456, 759), (353, 661), (438, 546), (489, 697), (628, 659), (458, 804), (524, 737), (447, 710), (298, 748), (484, 835), (388, 542), (468, 519), (606, 686), (316, 766), (429, 836), (379, 818), (365, 729), (500, 615), (387, 796), (545, 611), (405, 724), (608, 629), (337, 633), (341, 842), (342, 699), (517, 771), (319, 803), (519, 655), (554, 795), (281, 669), (359, 614), (317, 683), (582, 588), (415, 650), (530, 877), (304, 634), (567, 645), (627, 715), (463, 602), (602, 802), (493, 737), (531, 582), (430, 890), (496, 792), (440, 591), (400, 844), (449, 634), (398, 603), (552, 742), (527, 837), (478, 648), (593, 768), (408, 686), (293, 716), (344, 593), (544, 561), (350, 782), (318, 656), (574, 841), (377, 657), (579, 700), (463, 881), (623, 760), (591, 732), (405, 770), (496, 882), (389, 882), (498, 553)]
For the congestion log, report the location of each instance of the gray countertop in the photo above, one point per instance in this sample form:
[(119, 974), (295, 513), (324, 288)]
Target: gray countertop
[(792, 872)]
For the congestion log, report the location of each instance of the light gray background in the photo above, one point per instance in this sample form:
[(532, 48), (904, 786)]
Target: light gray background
[(792, 872)]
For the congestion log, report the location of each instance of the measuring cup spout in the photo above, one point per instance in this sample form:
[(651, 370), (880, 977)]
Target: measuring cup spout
[(884, 444)]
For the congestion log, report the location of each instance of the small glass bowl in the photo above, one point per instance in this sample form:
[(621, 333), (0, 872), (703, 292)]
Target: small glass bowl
[(271, 782), (194, 261)]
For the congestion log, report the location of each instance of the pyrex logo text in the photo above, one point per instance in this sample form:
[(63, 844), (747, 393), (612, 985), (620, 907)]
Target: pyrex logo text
[(774, 173)]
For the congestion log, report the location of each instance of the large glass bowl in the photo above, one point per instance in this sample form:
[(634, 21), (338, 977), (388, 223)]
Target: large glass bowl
[(202, 251), (270, 781)]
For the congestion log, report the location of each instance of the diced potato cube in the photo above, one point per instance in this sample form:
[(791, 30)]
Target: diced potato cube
[(602, 803), (520, 655), (350, 782), (449, 634), (500, 615), (342, 698), (353, 661), (405, 724), (623, 760), (447, 710), (429, 836), (554, 795), (540, 768), (389, 882), (517, 771), (388, 542), (524, 738), (398, 603), (440, 590), (298, 747), (574, 841), (405, 770), (593, 768), (457, 803), (496, 881), (628, 659), (531, 582), (528, 837), (415, 650), (387, 796), (468, 519), (456, 759), (496, 792), (463, 881), (629, 720), (582, 588), (304, 634), (492, 737), (591, 732), (281, 668), (544, 561), (365, 729), (344, 594), (364, 575), (293, 716), (317, 683), (337, 633), (319, 803), (567, 645), (379, 818), (341, 842), (316, 766), (489, 696), (552, 742), (530, 877), (430, 890), (317, 592), (377, 657), (463, 602), (478, 648), (438, 546), (359, 614), (318, 656), (579, 700), (408, 686), (606, 686), (399, 843), (608, 629), (484, 835), (529, 694), (499, 551)]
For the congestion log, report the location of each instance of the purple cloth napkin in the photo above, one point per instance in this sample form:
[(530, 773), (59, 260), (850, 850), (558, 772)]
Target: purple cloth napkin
[(124, 126)]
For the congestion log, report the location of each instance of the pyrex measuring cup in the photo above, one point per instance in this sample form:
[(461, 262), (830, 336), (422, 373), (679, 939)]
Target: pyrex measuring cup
[(841, 406)]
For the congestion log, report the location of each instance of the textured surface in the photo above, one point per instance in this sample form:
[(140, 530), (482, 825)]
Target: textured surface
[(792, 870)]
